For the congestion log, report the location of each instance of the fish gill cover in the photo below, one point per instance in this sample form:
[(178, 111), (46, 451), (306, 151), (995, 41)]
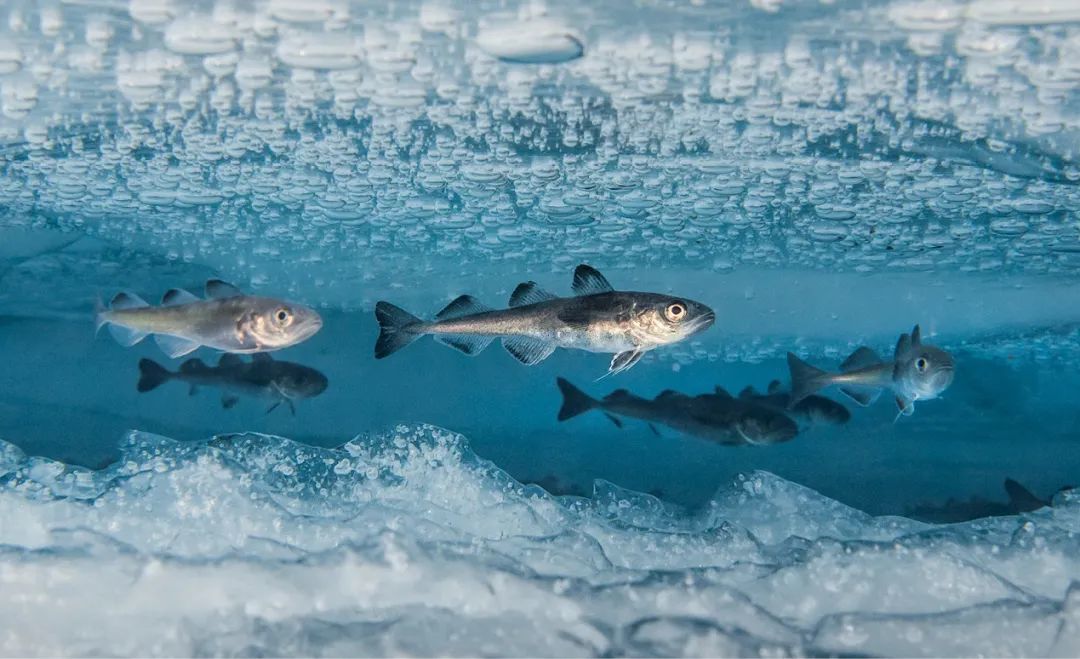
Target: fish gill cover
[(910, 161)]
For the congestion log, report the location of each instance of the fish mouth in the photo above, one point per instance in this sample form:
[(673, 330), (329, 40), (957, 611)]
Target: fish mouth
[(701, 323)]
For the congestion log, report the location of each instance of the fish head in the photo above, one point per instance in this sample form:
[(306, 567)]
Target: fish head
[(761, 426), (661, 319), (927, 371), (279, 324), (300, 382)]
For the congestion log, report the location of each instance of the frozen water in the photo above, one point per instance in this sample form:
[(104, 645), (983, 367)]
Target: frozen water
[(410, 544), (823, 173)]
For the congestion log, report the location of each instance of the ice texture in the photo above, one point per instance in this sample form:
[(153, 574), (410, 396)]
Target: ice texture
[(407, 543), (349, 140)]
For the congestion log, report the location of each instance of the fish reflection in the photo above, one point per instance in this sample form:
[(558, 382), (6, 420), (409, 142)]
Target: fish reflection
[(717, 417), (1021, 500), (262, 378), (814, 409)]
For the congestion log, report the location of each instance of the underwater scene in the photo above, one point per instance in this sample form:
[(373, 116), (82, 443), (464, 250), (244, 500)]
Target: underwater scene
[(540, 328)]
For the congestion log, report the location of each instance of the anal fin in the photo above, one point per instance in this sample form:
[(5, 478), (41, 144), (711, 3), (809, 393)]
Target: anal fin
[(470, 344), (175, 346), (864, 397), (125, 336), (528, 350)]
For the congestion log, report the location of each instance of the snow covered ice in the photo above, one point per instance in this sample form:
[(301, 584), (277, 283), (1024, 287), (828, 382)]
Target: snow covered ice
[(824, 174)]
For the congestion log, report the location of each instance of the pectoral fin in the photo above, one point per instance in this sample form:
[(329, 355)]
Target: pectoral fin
[(623, 361)]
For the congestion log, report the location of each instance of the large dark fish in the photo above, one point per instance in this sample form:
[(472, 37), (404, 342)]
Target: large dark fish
[(597, 319), (916, 372), (1021, 500), (226, 320), (717, 417), (263, 378)]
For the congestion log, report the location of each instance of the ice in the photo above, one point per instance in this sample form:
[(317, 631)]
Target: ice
[(408, 543)]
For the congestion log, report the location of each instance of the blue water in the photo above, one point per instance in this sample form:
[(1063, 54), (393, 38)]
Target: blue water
[(823, 175)]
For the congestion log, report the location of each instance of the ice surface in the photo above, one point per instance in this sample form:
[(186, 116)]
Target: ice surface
[(408, 543), (870, 136)]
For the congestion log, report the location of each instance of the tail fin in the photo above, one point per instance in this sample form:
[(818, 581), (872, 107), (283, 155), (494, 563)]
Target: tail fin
[(575, 401), (151, 375), (99, 314), (125, 336), (397, 329), (805, 379)]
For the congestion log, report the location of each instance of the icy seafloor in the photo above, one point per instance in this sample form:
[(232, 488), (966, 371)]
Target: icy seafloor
[(823, 173), (409, 544)]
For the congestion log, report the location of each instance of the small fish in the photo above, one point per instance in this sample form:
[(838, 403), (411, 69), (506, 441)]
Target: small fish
[(813, 409), (597, 319), (1021, 500), (263, 377), (717, 417), (226, 320), (916, 372)]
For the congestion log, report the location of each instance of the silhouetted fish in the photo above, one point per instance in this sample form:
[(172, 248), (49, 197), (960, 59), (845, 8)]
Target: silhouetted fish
[(263, 377), (813, 409)]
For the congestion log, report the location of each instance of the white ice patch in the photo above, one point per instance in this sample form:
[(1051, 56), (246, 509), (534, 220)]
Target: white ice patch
[(410, 544)]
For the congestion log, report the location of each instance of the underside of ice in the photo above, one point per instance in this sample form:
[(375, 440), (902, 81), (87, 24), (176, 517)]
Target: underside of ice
[(407, 543)]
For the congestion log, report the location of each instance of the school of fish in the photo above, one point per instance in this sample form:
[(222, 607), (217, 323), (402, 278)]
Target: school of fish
[(595, 318)]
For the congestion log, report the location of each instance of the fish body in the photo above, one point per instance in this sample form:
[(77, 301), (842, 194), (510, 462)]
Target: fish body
[(226, 320), (716, 417), (1021, 500), (597, 319), (813, 410), (262, 378), (916, 372)]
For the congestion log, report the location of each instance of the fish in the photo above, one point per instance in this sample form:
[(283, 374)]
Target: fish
[(813, 409), (917, 372), (227, 320), (1021, 500), (596, 319), (262, 378), (717, 417)]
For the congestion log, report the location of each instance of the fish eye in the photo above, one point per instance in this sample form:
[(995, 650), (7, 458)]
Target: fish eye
[(921, 364), (282, 316), (675, 311)]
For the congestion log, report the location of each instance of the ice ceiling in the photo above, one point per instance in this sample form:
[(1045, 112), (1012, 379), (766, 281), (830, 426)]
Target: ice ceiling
[(337, 138)]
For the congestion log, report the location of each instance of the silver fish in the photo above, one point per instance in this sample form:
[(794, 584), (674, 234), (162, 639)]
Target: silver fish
[(717, 417), (227, 320), (916, 372), (812, 409), (597, 319), (263, 377)]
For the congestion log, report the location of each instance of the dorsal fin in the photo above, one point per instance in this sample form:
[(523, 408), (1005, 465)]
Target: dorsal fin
[(529, 293), (217, 289), (903, 344), (720, 391), (748, 392), (177, 296), (916, 337), (587, 281), (667, 394), (229, 360), (127, 301), (463, 305), (861, 358), (774, 386)]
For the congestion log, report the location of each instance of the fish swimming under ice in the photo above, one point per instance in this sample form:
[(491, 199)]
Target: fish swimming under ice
[(227, 320), (1021, 500), (813, 409), (263, 377), (717, 417), (597, 319), (916, 372)]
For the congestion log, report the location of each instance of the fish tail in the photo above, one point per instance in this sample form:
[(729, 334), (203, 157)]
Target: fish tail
[(805, 379), (397, 329), (125, 336), (151, 375), (575, 401), (99, 314)]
